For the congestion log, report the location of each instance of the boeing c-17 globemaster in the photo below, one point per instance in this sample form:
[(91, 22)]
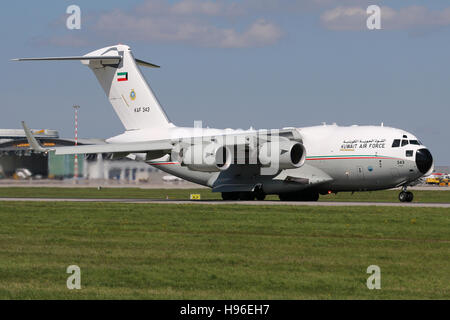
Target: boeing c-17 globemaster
[(297, 164)]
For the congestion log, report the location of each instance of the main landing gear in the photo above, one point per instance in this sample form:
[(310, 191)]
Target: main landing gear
[(244, 196), (299, 196), (405, 196)]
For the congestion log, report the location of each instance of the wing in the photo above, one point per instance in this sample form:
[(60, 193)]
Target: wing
[(207, 154), (134, 147)]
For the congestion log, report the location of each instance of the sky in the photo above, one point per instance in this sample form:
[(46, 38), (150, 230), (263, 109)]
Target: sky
[(237, 64)]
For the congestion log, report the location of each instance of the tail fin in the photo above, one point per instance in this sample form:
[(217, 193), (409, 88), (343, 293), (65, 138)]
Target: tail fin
[(127, 90), (131, 97)]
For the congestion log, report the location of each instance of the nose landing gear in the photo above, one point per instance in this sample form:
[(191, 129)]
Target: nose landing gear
[(405, 196)]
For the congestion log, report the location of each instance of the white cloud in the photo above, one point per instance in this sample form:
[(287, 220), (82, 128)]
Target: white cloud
[(193, 31), (260, 33), (191, 7), (412, 17), (188, 21), (236, 23), (206, 23), (344, 18), (210, 8)]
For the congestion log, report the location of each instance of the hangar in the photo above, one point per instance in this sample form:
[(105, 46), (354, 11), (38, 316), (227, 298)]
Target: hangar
[(15, 154)]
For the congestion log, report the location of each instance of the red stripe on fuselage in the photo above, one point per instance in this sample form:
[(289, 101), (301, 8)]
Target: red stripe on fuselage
[(333, 158)]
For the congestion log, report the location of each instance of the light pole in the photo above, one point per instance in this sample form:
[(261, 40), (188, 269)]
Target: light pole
[(75, 163)]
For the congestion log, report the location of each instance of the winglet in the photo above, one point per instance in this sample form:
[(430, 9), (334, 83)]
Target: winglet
[(34, 144)]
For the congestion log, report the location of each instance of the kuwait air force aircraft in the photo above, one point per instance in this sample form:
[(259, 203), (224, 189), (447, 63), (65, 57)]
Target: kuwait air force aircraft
[(297, 164)]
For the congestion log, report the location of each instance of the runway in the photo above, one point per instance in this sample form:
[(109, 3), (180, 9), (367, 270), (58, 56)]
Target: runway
[(252, 203)]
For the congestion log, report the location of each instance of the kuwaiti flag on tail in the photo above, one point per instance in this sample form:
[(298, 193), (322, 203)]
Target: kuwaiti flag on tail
[(122, 76)]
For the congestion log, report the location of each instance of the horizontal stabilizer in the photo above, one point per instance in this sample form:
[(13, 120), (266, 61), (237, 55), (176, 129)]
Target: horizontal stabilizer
[(119, 75), (112, 59), (146, 64)]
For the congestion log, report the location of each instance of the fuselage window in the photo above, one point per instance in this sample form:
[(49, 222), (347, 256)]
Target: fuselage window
[(409, 153), (396, 143), (414, 142), (404, 143)]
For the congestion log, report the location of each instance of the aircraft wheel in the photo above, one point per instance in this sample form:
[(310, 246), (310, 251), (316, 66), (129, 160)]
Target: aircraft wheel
[(310, 196), (229, 196), (313, 196), (246, 196), (409, 196), (403, 196), (291, 196), (260, 196), (285, 197)]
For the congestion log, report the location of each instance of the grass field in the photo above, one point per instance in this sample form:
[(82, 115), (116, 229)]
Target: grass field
[(133, 251), (206, 194)]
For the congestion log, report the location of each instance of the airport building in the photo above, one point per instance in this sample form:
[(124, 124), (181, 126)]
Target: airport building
[(17, 160), (15, 153)]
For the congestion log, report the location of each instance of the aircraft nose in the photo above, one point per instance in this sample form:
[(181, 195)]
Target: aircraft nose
[(424, 160)]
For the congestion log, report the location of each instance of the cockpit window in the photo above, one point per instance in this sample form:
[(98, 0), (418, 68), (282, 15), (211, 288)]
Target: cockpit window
[(396, 143), (416, 142), (404, 143)]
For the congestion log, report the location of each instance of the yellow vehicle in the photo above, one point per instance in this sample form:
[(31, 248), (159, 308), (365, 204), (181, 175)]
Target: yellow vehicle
[(433, 181)]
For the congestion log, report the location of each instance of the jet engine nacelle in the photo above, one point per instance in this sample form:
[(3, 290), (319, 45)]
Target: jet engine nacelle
[(282, 154), (207, 157)]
